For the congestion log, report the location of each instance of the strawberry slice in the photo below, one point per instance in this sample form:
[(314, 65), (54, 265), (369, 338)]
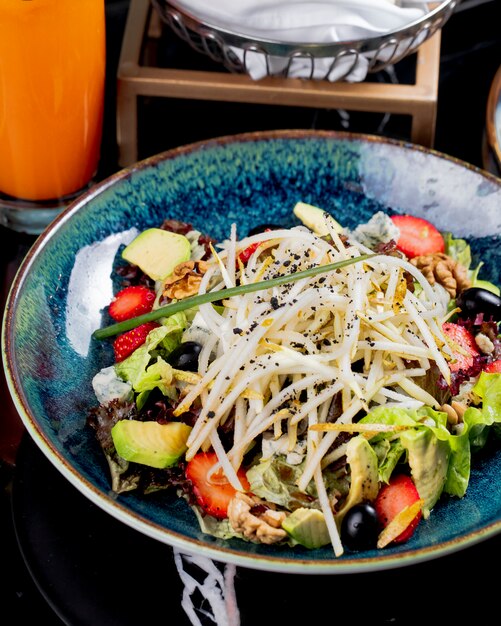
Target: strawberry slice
[(130, 302), (125, 344), (494, 367), (417, 236), (392, 498), (462, 343), (212, 493)]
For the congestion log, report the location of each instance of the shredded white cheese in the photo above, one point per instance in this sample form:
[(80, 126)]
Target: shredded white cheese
[(270, 349)]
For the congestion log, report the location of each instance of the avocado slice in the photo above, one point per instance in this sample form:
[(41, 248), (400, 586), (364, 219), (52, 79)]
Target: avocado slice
[(363, 464), (313, 218), (428, 458), (157, 252), (150, 443), (307, 527)]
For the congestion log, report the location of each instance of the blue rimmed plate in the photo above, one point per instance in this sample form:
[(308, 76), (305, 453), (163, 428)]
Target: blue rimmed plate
[(66, 280)]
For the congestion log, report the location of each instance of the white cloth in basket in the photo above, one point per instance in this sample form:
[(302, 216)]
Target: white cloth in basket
[(306, 21)]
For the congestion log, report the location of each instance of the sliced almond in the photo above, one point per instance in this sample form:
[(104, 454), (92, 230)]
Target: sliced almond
[(399, 523), (251, 394), (360, 428), (191, 378)]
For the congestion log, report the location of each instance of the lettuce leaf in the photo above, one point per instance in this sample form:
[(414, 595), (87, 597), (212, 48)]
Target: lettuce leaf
[(176, 325), (387, 463), (488, 389), (428, 438), (221, 529), (158, 374), (133, 367), (460, 251), (487, 416), (275, 480), (146, 368), (391, 416), (267, 482)]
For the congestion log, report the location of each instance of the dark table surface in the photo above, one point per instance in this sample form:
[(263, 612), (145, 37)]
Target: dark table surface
[(57, 567)]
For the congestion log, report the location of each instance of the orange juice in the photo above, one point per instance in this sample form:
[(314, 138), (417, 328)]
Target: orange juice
[(52, 71)]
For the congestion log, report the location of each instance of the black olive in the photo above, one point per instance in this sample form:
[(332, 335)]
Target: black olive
[(360, 527), (476, 300), (185, 356), (261, 228)]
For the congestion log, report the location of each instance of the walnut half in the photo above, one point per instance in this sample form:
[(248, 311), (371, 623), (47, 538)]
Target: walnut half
[(262, 528), (444, 270), (185, 280)]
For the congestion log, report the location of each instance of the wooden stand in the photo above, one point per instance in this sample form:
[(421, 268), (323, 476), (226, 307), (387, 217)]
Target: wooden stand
[(135, 79)]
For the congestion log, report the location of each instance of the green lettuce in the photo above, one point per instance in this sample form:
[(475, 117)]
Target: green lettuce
[(157, 375), (488, 389), (275, 480), (221, 529), (146, 368), (270, 483), (390, 416), (176, 325), (389, 454), (427, 442), (460, 251)]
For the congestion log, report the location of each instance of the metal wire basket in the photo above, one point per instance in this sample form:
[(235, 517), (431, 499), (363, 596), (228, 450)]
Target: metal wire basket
[(333, 61)]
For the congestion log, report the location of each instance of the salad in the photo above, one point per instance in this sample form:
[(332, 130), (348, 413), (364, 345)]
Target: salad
[(305, 386)]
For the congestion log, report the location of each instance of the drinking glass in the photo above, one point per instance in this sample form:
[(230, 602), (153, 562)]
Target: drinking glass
[(52, 78)]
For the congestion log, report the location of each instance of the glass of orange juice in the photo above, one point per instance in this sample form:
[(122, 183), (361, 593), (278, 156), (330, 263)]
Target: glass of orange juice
[(52, 79)]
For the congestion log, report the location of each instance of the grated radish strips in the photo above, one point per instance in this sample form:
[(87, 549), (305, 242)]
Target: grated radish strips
[(267, 347), (327, 394), (238, 389), (314, 460), (418, 393), (288, 393), (405, 350), (327, 511), (224, 463), (290, 337), (415, 273), (428, 338), (395, 273)]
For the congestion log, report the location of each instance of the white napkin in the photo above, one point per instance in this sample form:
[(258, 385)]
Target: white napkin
[(209, 590), (303, 21)]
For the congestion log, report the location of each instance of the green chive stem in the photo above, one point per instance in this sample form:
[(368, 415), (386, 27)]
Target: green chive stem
[(212, 296)]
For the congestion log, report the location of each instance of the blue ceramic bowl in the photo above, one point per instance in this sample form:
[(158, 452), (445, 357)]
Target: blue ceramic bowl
[(66, 280)]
